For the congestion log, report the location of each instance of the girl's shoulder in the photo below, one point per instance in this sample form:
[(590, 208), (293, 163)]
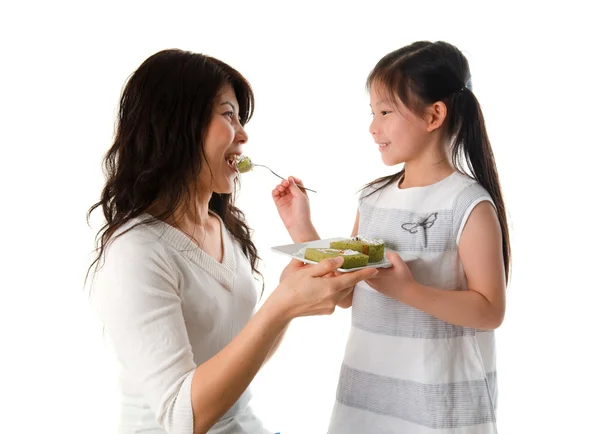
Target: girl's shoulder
[(455, 191), (466, 189)]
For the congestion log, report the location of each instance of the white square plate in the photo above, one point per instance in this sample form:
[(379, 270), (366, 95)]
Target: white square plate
[(296, 251)]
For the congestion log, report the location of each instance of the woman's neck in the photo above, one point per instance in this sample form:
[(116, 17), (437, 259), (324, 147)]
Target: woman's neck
[(188, 216)]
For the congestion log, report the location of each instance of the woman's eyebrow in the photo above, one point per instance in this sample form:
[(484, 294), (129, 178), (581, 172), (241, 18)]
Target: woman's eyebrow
[(230, 104)]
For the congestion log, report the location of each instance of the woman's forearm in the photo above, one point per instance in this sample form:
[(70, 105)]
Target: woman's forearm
[(277, 343), (219, 382)]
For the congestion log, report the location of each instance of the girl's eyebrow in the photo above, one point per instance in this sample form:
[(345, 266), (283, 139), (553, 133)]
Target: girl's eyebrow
[(383, 101)]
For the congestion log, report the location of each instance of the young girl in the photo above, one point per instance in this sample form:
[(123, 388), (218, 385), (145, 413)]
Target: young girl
[(420, 357), (174, 287)]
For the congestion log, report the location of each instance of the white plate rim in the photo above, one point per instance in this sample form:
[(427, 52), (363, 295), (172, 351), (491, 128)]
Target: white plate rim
[(385, 263)]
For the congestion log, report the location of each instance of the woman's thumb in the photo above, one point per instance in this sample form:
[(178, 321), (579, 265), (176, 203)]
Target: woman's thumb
[(326, 266)]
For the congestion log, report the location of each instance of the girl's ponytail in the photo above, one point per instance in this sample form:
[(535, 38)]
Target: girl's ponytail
[(472, 145)]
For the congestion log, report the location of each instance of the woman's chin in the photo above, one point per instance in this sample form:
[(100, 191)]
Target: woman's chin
[(225, 187), (223, 191)]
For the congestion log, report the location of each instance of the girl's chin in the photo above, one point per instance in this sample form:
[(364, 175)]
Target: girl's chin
[(391, 161), (392, 158)]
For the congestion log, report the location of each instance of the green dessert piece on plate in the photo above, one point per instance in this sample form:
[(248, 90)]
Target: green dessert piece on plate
[(374, 248), (352, 258)]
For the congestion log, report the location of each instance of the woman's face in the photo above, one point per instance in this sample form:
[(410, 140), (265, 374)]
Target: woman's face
[(223, 143)]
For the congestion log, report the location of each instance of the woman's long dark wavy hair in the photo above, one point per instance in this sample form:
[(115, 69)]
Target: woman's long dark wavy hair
[(425, 72), (158, 150)]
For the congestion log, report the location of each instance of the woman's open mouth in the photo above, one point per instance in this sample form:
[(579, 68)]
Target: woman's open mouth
[(232, 160)]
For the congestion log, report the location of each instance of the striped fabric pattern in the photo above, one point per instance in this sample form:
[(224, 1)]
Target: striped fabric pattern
[(405, 371)]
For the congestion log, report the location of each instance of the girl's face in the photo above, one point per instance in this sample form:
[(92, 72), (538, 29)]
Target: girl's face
[(223, 143), (400, 134)]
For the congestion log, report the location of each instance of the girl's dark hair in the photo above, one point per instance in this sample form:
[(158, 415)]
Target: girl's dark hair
[(158, 150), (423, 73)]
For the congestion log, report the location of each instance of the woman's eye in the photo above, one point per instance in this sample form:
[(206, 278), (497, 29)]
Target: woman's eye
[(229, 114), (385, 112)]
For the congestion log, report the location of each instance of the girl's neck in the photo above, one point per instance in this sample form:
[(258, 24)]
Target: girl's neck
[(425, 172)]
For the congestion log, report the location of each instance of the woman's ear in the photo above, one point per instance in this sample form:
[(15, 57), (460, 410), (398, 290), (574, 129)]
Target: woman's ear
[(435, 114)]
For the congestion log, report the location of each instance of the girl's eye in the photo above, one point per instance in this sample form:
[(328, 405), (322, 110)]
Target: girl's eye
[(383, 112), (229, 114)]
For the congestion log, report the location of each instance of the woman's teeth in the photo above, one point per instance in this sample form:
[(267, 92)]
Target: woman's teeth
[(232, 160)]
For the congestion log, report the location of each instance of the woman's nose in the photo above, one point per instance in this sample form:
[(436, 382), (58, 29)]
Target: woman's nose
[(241, 135)]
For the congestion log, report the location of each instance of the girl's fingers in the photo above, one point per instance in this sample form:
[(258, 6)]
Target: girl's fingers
[(298, 181), (295, 189)]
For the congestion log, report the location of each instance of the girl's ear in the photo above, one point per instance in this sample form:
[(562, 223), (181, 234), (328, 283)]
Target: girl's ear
[(435, 114)]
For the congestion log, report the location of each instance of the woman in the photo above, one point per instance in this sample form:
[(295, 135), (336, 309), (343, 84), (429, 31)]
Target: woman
[(173, 282)]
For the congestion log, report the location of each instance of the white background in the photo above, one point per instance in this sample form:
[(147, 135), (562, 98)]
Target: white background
[(62, 69)]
